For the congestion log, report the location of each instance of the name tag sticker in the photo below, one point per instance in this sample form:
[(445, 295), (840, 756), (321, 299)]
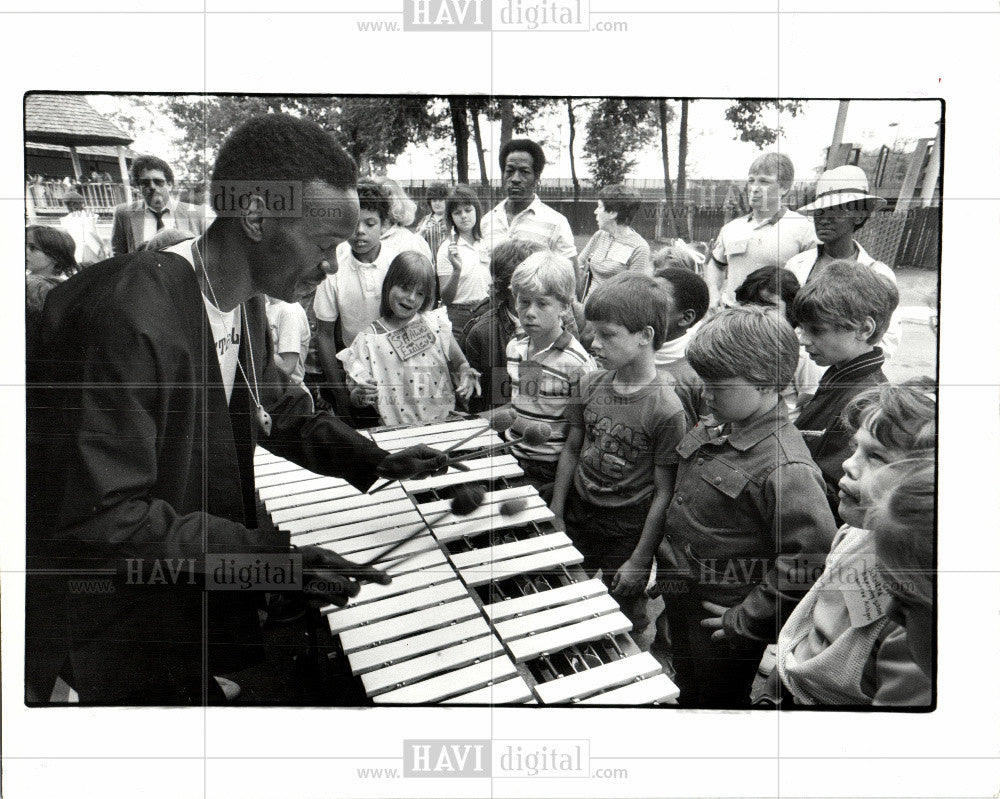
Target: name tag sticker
[(620, 253), (411, 340), (868, 599), (737, 247)]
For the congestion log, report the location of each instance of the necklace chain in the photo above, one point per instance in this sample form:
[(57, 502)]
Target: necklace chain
[(254, 390)]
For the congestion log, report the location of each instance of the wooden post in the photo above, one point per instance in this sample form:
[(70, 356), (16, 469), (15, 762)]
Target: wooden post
[(909, 186), (74, 157), (933, 170), (123, 168), (838, 134)]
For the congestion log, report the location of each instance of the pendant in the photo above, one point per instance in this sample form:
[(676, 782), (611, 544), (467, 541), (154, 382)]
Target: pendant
[(264, 420)]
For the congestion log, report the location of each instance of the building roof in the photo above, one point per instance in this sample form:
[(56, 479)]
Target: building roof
[(68, 119), (99, 151)]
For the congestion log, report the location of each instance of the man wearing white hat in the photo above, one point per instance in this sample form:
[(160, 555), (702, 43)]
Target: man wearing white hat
[(842, 206)]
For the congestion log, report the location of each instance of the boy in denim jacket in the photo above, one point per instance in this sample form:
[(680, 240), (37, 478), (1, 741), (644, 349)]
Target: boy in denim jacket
[(748, 523)]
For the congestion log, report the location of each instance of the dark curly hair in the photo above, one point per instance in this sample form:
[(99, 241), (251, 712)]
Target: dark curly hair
[(282, 147), (524, 146), (144, 162)]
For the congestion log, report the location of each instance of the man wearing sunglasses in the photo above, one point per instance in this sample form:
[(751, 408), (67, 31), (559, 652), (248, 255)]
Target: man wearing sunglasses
[(137, 222)]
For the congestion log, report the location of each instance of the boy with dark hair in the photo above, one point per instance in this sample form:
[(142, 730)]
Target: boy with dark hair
[(843, 314), (774, 287), (748, 517), (348, 301), (616, 472), (485, 338), (687, 298)]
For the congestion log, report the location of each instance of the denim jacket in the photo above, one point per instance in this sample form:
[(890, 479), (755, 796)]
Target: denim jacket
[(749, 513)]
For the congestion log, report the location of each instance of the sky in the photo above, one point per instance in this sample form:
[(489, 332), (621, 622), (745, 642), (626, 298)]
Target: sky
[(714, 151)]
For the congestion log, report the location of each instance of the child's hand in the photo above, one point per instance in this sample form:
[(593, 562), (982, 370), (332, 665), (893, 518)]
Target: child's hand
[(714, 622), (468, 384), (630, 579), (454, 257), (364, 394)]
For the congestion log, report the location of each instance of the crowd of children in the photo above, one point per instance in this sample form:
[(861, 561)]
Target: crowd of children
[(707, 437)]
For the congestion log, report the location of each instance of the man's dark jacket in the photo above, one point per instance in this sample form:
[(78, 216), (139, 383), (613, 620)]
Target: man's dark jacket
[(134, 454)]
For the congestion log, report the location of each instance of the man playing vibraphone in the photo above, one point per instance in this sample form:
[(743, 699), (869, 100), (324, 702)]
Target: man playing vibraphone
[(142, 423)]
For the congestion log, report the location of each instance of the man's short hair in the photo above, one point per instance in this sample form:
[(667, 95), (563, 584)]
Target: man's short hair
[(775, 281), (777, 164), (750, 343), (280, 147), (843, 295), (689, 290), (902, 416), (508, 256), (547, 273), (143, 162), (622, 201), (634, 301), (524, 146), (372, 197)]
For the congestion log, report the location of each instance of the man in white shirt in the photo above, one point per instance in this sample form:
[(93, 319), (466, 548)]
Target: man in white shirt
[(137, 222), (522, 215), (768, 236)]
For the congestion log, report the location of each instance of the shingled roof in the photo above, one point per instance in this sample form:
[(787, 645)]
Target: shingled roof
[(67, 119)]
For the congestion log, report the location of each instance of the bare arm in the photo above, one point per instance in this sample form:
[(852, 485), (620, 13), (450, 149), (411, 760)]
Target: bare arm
[(286, 362), (564, 471), (633, 575), (326, 349)]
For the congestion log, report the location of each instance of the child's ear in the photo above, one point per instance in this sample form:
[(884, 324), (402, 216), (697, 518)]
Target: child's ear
[(687, 318), (867, 329)]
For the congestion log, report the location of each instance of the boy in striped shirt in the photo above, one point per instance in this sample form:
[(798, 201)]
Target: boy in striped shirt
[(544, 361)]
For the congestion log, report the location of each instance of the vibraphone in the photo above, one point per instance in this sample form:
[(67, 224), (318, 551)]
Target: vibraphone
[(484, 609)]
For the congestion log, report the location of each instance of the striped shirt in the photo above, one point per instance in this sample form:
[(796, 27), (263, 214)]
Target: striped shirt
[(538, 223), (541, 388)]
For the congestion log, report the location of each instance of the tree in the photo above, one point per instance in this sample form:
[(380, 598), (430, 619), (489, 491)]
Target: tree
[(664, 114), (376, 130), (572, 157), (477, 104), (617, 129), (746, 118), (460, 132), (682, 153)]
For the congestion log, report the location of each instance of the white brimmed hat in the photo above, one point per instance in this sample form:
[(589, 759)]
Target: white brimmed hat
[(840, 186)]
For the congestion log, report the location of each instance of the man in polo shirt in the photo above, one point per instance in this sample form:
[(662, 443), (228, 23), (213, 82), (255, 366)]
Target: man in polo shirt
[(522, 215), (768, 236), (135, 223)]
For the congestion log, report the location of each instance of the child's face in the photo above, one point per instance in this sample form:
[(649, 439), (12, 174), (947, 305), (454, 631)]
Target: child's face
[(539, 314), (677, 323), (733, 399), (764, 192), (368, 236), (404, 302), (464, 217), (615, 347), (859, 472), (437, 206), (34, 259), (831, 346)]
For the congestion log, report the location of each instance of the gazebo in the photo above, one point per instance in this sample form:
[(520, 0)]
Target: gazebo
[(71, 121)]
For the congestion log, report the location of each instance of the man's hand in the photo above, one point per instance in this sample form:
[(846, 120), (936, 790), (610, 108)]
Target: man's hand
[(413, 462), (630, 579), (329, 578)]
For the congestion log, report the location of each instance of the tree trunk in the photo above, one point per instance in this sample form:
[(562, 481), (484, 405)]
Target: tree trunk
[(682, 154), (668, 229), (572, 161), (506, 121), (478, 138), (460, 130)]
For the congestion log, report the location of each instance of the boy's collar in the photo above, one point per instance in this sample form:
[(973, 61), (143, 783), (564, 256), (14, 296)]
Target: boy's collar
[(866, 361), (743, 439)]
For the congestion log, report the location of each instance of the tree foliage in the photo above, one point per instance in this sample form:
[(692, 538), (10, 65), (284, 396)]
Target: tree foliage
[(748, 116), (617, 129), (374, 130)]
